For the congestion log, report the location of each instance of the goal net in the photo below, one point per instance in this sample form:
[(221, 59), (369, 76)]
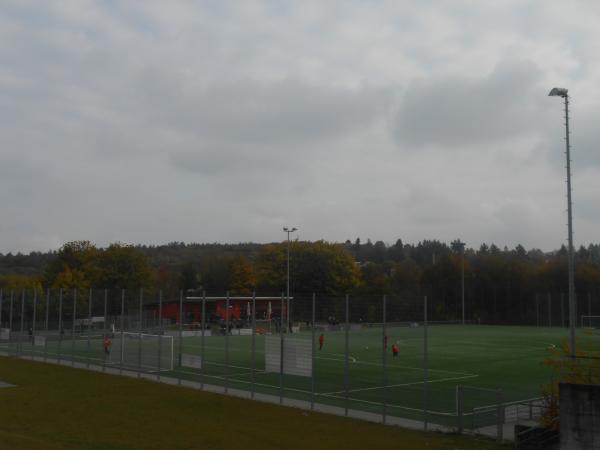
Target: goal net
[(150, 352), (590, 321)]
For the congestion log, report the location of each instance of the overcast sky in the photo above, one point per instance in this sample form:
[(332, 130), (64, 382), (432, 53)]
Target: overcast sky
[(223, 121)]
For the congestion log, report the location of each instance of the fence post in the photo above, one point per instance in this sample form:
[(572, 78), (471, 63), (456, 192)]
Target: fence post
[(253, 365), (346, 351), (459, 408), (281, 352), (425, 363), (312, 363), (160, 335), (562, 310), (202, 346), (104, 332), (46, 324), (60, 325), (384, 360), (537, 310), (140, 348), (1, 298), (122, 331), (89, 328), (73, 327), (22, 324), (500, 414), (549, 309), (10, 321), (227, 342), (32, 336), (180, 335)]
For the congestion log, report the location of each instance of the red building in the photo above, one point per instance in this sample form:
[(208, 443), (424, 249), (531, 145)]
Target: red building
[(240, 308)]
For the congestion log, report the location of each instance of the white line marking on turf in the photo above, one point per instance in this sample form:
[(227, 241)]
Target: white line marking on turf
[(391, 405), (239, 374), (351, 358), (440, 380)]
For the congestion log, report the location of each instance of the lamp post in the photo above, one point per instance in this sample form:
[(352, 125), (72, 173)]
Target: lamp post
[(562, 92), (462, 278), (288, 231)]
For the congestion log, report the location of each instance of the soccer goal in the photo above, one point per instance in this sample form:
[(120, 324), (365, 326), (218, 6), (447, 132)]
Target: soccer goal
[(150, 352), (590, 321)]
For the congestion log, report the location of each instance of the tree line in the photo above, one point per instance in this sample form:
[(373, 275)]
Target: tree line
[(501, 285)]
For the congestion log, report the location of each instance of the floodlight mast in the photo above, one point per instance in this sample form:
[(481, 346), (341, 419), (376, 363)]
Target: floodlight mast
[(288, 231), (564, 93)]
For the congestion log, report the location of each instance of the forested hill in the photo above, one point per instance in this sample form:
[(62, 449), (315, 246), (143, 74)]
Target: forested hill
[(177, 254), (173, 255)]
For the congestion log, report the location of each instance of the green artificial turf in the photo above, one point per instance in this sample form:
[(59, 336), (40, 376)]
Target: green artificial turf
[(55, 407)]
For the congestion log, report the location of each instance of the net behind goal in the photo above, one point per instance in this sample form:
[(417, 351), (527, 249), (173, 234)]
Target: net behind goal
[(150, 352)]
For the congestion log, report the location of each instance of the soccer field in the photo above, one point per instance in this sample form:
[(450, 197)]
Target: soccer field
[(488, 357), (483, 359)]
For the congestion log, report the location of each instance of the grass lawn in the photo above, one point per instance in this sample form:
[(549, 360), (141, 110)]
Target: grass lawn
[(55, 407)]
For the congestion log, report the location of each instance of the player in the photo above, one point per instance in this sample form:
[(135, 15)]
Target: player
[(395, 350), (385, 341), (107, 343), (321, 341)]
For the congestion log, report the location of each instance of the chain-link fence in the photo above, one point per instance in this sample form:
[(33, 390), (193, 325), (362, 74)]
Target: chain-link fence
[(392, 358)]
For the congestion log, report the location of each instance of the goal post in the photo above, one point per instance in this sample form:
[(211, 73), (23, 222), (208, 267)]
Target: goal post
[(150, 352), (590, 321)]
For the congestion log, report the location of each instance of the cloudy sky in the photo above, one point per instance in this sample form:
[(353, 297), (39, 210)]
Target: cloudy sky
[(223, 121)]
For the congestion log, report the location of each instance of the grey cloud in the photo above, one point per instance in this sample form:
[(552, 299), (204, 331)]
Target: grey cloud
[(465, 111), (287, 111), (585, 139)]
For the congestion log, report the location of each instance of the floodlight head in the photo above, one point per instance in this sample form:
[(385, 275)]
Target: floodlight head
[(289, 230), (558, 92)]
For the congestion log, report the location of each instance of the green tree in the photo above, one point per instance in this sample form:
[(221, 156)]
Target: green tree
[(122, 266), (314, 267), (74, 267), (19, 282), (243, 277)]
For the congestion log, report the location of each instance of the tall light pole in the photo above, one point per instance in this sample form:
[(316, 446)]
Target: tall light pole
[(288, 231), (562, 92), (462, 278)]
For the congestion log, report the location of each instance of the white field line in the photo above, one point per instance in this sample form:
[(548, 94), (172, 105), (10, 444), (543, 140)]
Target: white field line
[(440, 380), (352, 358), (238, 374), (303, 391), (394, 366), (390, 405)]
